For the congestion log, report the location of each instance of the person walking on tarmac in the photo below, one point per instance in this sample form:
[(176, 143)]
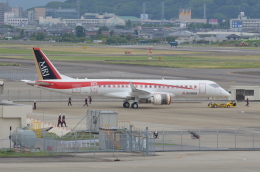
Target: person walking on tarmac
[(247, 102), (86, 101), (34, 105), (59, 121), (63, 121), (90, 99), (69, 101)]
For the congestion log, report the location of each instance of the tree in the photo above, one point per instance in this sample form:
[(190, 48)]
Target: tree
[(40, 36), (99, 32), (104, 28), (111, 33), (80, 31), (128, 24)]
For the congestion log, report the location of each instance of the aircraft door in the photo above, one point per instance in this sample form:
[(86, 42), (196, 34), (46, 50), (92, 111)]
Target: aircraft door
[(202, 88), (94, 87), (76, 88)]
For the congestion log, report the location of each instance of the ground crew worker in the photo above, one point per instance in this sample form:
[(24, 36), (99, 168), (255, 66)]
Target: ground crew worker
[(90, 99), (247, 102), (34, 105), (69, 102), (59, 121), (63, 121), (86, 101)]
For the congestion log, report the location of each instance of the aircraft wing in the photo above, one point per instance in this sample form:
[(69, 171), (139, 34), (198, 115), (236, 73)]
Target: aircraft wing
[(140, 93)]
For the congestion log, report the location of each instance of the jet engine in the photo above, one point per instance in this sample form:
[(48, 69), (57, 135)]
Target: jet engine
[(161, 99)]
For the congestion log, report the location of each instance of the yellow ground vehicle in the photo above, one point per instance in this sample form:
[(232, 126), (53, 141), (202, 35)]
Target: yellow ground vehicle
[(225, 105)]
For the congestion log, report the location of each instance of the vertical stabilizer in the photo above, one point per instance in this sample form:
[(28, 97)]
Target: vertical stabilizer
[(44, 67)]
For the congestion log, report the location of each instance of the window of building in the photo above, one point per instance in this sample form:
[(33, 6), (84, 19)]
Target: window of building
[(249, 93)]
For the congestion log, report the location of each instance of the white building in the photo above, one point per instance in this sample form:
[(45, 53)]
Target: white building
[(8, 15), (17, 21), (243, 23), (48, 20), (243, 92)]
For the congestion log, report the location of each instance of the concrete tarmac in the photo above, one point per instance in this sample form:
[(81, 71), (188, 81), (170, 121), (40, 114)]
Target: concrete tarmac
[(177, 116), (176, 161)]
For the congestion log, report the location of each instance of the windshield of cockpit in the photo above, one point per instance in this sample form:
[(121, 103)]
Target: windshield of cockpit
[(214, 85)]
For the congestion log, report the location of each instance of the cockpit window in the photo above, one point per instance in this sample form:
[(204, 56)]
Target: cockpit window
[(214, 85)]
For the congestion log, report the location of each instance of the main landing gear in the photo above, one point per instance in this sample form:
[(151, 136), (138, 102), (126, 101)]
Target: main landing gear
[(133, 105)]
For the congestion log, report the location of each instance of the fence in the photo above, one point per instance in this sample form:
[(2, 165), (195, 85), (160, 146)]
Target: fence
[(140, 142), (209, 140), (113, 142)]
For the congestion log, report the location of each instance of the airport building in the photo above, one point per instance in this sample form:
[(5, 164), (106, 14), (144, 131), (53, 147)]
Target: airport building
[(241, 93)]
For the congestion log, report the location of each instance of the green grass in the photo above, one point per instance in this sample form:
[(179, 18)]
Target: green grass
[(169, 58), (198, 64), (11, 51), (11, 152), (9, 64)]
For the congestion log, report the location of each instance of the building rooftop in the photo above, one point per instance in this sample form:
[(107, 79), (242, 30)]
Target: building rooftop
[(131, 18)]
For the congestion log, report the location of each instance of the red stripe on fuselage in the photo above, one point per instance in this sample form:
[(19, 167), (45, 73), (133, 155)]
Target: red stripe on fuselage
[(71, 85), (50, 65)]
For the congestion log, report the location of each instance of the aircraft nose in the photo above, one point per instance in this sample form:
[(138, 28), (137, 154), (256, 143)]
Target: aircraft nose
[(224, 93)]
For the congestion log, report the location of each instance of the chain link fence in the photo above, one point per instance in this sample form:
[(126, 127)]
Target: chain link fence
[(108, 141), (142, 142), (208, 140)]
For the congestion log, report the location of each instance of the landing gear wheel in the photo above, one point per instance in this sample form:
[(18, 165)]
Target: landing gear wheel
[(134, 105), (126, 104)]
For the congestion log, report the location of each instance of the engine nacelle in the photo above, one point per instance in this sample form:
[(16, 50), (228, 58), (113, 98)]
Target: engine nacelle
[(161, 99)]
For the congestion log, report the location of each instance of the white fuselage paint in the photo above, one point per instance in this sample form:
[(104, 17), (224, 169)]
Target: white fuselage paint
[(122, 88)]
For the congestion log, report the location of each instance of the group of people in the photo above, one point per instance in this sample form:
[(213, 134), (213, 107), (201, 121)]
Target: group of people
[(61, 121), (87, 99)]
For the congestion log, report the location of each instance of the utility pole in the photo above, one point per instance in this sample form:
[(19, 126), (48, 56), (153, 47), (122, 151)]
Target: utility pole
[(144, 10), (78, 8), (162, 16)]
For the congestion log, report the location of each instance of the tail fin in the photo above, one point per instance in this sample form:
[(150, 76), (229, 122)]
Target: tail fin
[(44, 67)]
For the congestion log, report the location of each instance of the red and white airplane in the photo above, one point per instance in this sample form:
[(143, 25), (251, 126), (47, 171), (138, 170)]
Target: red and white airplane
[(157, 92)]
